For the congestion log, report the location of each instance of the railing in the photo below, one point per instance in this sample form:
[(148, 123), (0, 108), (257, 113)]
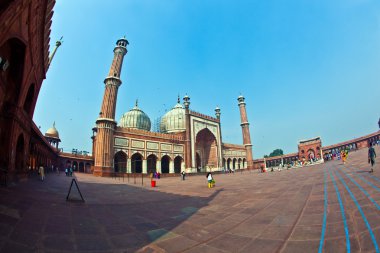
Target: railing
[(204, 116)]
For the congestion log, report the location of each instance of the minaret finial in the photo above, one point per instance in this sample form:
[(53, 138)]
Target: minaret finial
[(137, 102), (57, 45), (178, 99)]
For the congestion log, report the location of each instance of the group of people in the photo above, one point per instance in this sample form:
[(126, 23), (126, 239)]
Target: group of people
[(69, 171)]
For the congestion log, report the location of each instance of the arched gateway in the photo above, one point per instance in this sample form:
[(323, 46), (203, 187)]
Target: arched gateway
[(207, 149)]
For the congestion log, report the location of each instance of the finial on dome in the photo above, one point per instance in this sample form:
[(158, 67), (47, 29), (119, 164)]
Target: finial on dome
[(178, 99), (54, 124), (137, 102)]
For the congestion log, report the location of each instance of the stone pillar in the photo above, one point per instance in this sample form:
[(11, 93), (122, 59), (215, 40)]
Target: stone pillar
[(106, 124), (171, 167), (188, 160), (129, 165), (245, 130), (158, 166), (144, 166)]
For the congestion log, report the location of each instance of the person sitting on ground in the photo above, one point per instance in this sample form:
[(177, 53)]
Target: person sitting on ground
[(371, 156)]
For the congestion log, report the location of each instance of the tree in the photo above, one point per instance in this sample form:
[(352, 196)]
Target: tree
[(276, 152)]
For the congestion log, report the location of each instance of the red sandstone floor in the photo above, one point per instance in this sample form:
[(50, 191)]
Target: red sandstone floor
[(248, 212)]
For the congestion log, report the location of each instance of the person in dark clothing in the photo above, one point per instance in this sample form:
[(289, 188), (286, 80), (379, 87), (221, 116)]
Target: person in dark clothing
[(371, 156)]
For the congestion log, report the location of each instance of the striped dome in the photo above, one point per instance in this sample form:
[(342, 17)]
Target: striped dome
[(174, 120), (136, 119)]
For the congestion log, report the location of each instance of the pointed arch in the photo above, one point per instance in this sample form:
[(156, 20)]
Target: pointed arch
[(20, 153), (177, 164), (75, 166), (120, 162), (240, 165), (29, 100), (165, 161), (81, 167), (136, 162), (229, 163), (151, 163), (207, 147), (13, 50)]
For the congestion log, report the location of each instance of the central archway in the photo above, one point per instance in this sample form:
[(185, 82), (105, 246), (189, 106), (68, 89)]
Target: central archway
[(206, 147), (310, 154)]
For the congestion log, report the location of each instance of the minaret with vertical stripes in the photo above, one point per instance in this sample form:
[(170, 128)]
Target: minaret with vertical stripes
[(245, 129), (106, 124)]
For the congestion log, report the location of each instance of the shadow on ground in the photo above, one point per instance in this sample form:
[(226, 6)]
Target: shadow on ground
[(35, 216)]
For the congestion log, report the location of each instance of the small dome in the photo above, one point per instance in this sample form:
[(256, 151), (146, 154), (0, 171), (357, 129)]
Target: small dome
[(136, 119), (52, 132), (174, 120)]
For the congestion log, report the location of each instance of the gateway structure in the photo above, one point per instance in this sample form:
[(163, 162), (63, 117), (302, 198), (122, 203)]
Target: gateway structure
[(187, 141)]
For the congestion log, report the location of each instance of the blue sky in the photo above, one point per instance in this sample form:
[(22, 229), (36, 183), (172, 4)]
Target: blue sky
[(306, 67)]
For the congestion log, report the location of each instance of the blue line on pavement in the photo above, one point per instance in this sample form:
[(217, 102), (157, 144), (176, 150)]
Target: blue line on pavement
[(324, 215), (365, 180), (348, 246), (374, 177), (361, 188), (361, 212)]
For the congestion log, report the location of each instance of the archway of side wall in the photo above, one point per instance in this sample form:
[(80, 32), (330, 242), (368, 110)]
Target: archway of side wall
[(136, 163), (120, 162), (13, 51), (177, 164), (151, 161), (20, 153), (165, 163)]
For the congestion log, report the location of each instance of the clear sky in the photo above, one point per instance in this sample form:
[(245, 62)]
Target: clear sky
[(306, 67)]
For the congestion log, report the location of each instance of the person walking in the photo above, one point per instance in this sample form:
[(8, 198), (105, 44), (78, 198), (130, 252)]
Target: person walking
[(183, 175), (42, 172), (371, 156)]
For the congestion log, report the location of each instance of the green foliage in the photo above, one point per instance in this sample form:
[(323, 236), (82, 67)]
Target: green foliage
[(275, 152)]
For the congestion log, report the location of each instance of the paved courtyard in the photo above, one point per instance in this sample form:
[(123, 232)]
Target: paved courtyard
[(329, 207)]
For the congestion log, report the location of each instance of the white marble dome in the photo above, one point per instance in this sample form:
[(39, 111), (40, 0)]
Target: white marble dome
[(174, 120), (135, 118), (52, 132)]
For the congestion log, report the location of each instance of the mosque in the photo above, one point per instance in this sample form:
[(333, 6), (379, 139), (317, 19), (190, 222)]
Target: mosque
[(187, 141)]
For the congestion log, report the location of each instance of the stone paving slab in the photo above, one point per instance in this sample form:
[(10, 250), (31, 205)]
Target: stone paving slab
[(246, 212)]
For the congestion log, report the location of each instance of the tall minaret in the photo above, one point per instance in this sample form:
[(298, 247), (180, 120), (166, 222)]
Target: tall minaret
[(188, 165), (106, 124), (245, 129)]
